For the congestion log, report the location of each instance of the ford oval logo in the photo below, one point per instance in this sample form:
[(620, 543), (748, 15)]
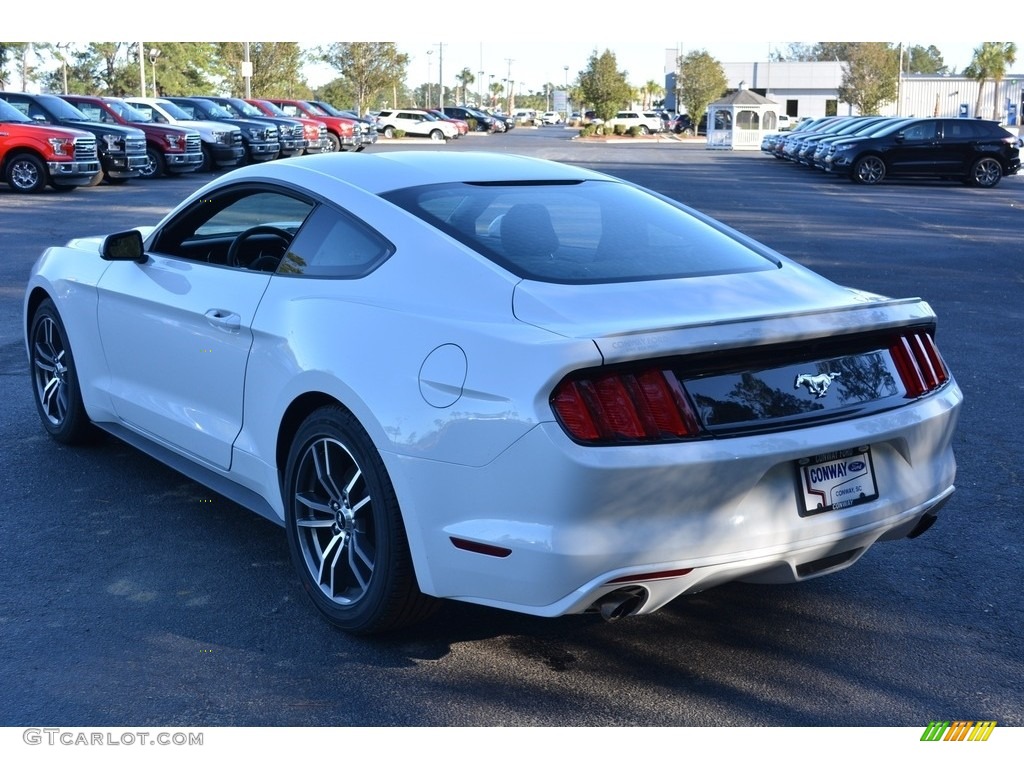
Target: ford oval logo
[(856, 466)]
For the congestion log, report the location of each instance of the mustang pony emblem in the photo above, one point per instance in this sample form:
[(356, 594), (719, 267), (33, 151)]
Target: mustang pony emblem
[(816, 385)]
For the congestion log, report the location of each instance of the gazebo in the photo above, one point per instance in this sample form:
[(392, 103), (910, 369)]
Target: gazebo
[(740, 120)]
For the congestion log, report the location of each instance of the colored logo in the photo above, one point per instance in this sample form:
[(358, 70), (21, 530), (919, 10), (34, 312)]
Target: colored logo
[(959, 730)]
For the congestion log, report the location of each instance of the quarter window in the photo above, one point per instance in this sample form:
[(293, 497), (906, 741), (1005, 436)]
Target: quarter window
[(333, 244)]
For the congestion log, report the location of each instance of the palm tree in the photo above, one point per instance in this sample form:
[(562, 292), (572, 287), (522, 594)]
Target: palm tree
[(496, 90), (989, 63), (466, 79), (652, 91)]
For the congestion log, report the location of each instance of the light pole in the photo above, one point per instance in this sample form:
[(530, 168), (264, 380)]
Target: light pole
[(62, 49), (568, 111), (511, 86), (426, 103), (440, 77), (154, 54), (479, 96)]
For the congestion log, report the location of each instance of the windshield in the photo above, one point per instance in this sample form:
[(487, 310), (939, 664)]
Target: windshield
[(9, 114), (329, 109), (273, 109), (128, 112), (580, 232), (61, 110), (174, 110), (214, 110), (244, 108)]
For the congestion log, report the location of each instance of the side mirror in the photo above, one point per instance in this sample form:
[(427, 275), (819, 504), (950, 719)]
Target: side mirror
[(123, 246)]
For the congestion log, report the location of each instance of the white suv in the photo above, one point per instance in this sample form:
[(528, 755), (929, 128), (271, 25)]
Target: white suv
[(643, 122), (415, 122)]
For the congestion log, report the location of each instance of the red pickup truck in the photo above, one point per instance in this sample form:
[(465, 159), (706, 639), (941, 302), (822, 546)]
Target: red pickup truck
[(170, 149), (33, 155), (343, 134)]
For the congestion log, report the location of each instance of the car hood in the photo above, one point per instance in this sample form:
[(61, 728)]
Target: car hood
[(207, 125), (663, 317)]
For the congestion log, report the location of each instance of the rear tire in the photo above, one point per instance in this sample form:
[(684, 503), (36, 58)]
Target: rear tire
[(986, 172), (345, 529)]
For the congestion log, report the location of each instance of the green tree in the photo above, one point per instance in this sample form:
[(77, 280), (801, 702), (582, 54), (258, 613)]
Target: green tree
[(465, 78), (181, 69), (989, 63), (373, 71), (78, 67), (495, 88), (701, 80), (870, 76), (924, 61), (18, 62), (276, 69), (651, 92), (603, 86)]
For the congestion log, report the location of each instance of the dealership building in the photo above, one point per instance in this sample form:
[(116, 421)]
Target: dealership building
[(811, 89)]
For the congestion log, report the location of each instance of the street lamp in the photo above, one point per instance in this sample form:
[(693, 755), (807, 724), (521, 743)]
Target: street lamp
[(154, 54), (429, 71), (480, 84), (567, 110)]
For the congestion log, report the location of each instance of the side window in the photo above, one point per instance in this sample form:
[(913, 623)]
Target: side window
[(242, 227), (334, 244), (93, 113), (921, 131)]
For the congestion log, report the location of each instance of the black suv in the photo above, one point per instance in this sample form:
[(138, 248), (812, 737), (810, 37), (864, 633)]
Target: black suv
[(481, 121), (978, 152), (122, 149)]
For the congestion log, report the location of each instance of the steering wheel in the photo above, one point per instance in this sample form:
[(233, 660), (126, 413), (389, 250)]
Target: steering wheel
[(235, 250)]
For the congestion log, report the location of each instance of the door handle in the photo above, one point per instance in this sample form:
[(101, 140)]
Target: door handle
[(224, 319)]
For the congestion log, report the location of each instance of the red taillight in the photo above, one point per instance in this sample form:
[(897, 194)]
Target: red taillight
[(625, 407), (919, 364)]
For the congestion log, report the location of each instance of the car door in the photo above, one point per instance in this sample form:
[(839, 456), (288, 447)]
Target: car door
[(176, 330), (960, 143), (916, 150)]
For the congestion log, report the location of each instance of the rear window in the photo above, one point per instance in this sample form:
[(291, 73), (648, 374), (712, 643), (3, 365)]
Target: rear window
[(580, 232)]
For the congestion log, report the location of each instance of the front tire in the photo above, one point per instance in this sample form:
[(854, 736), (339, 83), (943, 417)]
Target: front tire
[(55, 378), (437, 135), (986, 172), (156, 167), (869, 170), (26, 173), (345, 529)]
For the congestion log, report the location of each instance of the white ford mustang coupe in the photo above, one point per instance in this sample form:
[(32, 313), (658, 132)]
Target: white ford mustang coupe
[(499, 380)]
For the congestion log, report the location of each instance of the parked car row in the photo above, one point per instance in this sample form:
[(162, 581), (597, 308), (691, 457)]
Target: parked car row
[(870, 149), (66, 141)]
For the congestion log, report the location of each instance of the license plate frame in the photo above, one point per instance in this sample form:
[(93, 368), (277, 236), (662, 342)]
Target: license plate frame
[(836, 480)]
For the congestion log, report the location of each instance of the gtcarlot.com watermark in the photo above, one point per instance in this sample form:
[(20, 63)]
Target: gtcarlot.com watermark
[(53, 737)]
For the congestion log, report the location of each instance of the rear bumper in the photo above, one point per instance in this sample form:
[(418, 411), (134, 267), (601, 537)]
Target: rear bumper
[(551, 527)]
